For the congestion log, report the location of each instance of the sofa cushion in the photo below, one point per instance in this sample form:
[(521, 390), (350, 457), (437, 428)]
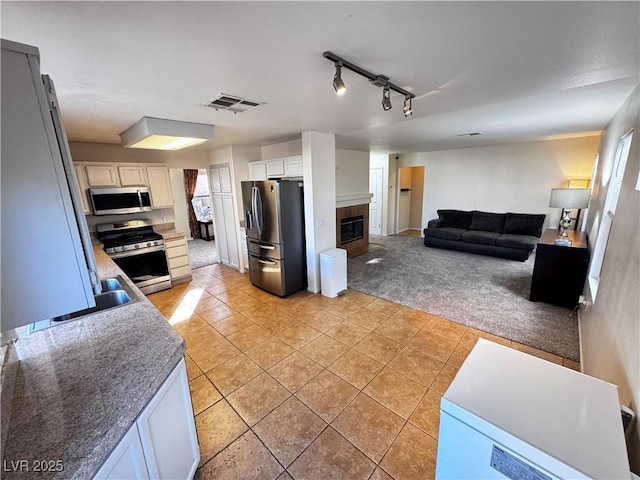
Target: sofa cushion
[(517, 241), (445, 233), (478, 236), (523, 224), (455, 218), (487, 222)]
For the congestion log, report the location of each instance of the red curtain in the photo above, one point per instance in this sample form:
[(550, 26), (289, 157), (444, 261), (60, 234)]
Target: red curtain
[(190, 180)]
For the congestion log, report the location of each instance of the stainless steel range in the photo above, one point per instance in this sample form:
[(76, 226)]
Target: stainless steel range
[(139, 252)]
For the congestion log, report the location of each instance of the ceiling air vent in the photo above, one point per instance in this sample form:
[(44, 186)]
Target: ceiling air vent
[(472, 134), (233, 104)]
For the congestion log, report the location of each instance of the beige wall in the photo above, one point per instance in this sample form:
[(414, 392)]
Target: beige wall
[(352, 172), (417, 194), (610, 327)]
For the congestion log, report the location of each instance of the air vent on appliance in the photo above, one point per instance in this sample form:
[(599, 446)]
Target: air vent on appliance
[(233, 104), (472, 134)]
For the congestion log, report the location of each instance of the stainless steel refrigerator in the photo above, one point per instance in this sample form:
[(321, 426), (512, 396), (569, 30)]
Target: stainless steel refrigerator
[(274, 222)]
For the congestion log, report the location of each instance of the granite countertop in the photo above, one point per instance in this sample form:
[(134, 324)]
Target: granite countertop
[(81, 385), (168, 231)]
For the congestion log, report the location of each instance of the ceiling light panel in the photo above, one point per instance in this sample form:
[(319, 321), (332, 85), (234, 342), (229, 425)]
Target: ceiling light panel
[(161, 134)]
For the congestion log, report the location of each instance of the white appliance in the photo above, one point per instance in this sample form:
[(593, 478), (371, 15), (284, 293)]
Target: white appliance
[(333, 272), (511, 415)]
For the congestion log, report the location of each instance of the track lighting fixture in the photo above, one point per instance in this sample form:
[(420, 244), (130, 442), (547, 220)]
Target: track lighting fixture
[(407, 107), (377, 80), (338, 84), (386, 99)]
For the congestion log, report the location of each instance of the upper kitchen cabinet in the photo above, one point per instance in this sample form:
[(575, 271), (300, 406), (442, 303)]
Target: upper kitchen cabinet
[(40, 278), (160, 186), (292, 166), (132, 175), (257, 170), (276, 168), (102, 175)]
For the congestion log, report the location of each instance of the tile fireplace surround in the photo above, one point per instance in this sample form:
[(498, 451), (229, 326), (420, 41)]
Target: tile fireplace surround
[(357, 247)]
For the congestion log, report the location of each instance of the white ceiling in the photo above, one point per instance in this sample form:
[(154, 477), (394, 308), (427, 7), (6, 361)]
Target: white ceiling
[(516, 71)]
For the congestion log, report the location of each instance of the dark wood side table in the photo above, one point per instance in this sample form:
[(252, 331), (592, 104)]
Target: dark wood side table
[(559, 272), (207, 236)]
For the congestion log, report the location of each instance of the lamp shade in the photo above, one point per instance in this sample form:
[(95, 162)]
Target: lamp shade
[(162, 134), (569, 198)]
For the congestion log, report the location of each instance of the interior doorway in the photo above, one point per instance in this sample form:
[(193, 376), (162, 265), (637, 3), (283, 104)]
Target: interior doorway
[(375, 206), (409, 202)]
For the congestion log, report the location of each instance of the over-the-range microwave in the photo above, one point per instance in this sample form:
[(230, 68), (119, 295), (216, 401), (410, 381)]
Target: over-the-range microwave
[(118, 200)]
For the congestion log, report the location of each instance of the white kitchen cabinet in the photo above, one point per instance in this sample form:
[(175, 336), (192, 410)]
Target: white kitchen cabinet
[(81, 178), (40, 279), (102, 175), (160, 186), (178, 259), (132, 175), (166, 433), (275, 168), (293, 166), (224, 217), (257, 171)]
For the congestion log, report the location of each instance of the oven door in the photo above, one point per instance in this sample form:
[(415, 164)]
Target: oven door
[(147, 269)]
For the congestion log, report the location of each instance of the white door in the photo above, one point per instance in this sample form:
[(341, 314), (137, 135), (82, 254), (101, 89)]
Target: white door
[(230, 228), (375, 207), (220, 229)]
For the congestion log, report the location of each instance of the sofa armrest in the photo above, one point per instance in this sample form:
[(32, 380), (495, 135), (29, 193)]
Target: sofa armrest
[(437, 223)]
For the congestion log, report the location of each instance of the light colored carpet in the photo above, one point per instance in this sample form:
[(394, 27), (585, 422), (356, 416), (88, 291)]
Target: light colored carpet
[(486, 293), (202, 253)]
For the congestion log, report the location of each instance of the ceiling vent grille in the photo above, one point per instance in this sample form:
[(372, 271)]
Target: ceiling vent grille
[(471, 134), (233, 104)]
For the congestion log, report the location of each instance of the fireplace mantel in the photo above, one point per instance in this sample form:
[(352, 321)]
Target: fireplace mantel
[(353, 199)]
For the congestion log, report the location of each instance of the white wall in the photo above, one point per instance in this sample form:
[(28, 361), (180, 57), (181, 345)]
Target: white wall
[(352, 172), (503, 178), (417, 194), (610, 327), (281, 150)]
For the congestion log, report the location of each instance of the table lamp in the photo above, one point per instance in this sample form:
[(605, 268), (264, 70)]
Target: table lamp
[(567, 199)]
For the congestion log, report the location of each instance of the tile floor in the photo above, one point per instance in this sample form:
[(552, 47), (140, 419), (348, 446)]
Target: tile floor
[(309, 387)]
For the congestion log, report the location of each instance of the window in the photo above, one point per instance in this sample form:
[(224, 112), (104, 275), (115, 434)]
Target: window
[(610, 205), (201, 200)]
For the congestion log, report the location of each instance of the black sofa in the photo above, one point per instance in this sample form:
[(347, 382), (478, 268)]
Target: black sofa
[(506, 235)]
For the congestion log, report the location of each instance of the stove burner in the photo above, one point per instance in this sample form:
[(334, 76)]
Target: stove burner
[(126, 238)]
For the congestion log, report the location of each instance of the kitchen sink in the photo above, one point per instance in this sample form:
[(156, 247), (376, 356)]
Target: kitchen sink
[(115, 293)]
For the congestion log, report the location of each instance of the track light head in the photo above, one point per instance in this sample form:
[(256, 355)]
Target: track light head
[(386, 98), (407, 107), (338, 84)]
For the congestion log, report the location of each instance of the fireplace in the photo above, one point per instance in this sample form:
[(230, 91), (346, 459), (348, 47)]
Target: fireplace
[(351, 229)]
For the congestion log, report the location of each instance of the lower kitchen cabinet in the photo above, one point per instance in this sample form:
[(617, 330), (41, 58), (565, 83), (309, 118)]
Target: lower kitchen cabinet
[(178, 260), (162, 443)]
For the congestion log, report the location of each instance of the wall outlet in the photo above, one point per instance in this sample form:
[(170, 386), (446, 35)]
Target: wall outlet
[(320, 223)]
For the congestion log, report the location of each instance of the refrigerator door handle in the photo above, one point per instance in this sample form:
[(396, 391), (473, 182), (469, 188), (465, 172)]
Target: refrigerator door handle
[(263, 247), (247, 220), (258, 211), (266, 262)]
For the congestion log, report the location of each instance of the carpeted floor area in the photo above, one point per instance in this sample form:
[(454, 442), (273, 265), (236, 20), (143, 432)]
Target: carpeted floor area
[(202, 253), (486, 293)]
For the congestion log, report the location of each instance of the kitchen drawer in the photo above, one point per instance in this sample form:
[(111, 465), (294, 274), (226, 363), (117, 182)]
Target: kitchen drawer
[(177, 251), (180, 272), (175, 242), (176, 262)]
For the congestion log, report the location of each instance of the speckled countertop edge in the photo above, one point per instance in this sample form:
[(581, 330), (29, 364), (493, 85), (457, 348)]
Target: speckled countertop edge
[(81, 385)]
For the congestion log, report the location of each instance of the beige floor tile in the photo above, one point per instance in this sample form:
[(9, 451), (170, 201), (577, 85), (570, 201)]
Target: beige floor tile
[(323, 320), (198, 338), (356, 368), (459, 355), (216, 314), (245, 459), (269, 353), (285, 476), (384, 307), (321, 301), (411, 317), (378, 347), (472, 335), (232, 324), (417, 366), (427, 415), (258, 314), (398, 393), (244, 304), (444, 379), (207, 303), (203, 394), (220, 291), (573, 365), (298, 334), (327, 395), (249, 337), (289, 429), (324, 350), (218, 426), (380, 474), (342, 308), (397, 331), (347, 333), (191, 294), (445, 328), (367, 319), (412, 455), (549, 357), (359, 298), (210, 357), (369, 426), (193, 371), (231, 375), (182, 322), (278, 322), (330, 456), (433, 345), (254, 400), (300, 309), (295, 371)]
